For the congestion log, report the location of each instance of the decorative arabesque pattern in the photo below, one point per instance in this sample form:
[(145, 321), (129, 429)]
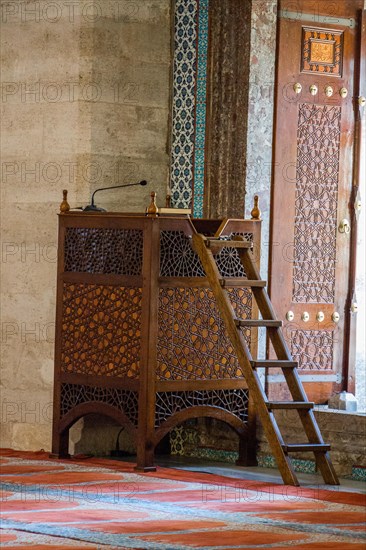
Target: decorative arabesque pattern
[(189, 104), (200, 122), (178, 259), (318, 145), (101, 330), (313, 349), (110, 251), (184, 91), (77, 394), (193, 343), (169, 403)]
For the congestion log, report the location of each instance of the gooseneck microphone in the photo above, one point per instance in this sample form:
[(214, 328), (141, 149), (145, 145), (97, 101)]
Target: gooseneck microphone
[(92, 208)]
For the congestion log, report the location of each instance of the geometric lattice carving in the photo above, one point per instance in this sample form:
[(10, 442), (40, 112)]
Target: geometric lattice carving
[(169, 403), (177, 257), (322, 51), (228, 261), (77, 394), (313, 349), (114, 251), (101, 330), (193, 343), (317, 174)]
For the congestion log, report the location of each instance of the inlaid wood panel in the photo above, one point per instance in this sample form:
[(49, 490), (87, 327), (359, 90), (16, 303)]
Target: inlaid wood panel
[(101, 330), (322, 51)]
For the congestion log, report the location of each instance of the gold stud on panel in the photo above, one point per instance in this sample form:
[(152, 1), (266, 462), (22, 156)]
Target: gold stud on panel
[(313, 89), (328, 91)]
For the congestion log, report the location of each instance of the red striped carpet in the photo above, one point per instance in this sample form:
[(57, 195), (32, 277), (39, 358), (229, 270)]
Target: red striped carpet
[(99, 504)]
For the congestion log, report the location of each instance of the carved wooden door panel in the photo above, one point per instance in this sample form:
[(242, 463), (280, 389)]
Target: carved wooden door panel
[(313, 177)]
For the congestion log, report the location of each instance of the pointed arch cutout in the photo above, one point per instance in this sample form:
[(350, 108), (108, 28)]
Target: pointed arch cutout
[(199, 412), (101, 408)]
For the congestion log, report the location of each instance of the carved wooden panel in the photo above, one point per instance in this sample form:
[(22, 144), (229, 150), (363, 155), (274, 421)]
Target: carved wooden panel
[(101, 330), (134, 302), (97, 250), (192, 341), (178, 259), (322, 51), (169, 403), (228, 261), (77, 394), (317, 174), (313, 349)]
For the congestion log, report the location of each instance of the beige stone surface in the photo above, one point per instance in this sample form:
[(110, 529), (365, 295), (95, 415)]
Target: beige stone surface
[(26, 416), (84, 91), (345, 432), (30, 437)]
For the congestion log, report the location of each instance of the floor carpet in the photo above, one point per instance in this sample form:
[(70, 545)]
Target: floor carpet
[(98, 504)]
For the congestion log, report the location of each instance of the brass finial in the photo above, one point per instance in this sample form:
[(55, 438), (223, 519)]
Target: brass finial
[(168, 201), (64, 206), (256, 213), (152, 209)]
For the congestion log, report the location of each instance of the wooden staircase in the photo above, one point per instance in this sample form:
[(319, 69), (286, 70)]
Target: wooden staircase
[(206, 247)]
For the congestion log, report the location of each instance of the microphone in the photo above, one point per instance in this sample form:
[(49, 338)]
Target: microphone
[(92, 208)]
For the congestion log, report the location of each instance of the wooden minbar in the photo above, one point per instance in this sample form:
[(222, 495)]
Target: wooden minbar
[(139, 337)]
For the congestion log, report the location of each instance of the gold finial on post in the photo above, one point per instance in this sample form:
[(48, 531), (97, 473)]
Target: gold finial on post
[(64, 206), (152, 210), (168, 201), (256, 213)]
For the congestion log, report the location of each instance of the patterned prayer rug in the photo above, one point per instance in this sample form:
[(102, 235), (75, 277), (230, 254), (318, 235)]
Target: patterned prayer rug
[(97, 503)]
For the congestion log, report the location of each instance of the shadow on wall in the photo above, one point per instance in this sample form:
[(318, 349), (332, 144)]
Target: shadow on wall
[(98, 435)]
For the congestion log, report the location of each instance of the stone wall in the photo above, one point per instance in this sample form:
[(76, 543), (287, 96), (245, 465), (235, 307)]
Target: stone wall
[(260, 115), (344, 431), (214, 440), (85, 103)]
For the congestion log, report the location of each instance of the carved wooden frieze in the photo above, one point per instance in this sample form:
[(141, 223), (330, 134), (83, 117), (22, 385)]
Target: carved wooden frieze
[(316, 203), (322, 51), (313, 349)]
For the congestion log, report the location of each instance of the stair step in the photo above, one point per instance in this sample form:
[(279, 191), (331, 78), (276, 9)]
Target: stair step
[(213, 243), (295, 405), (274, 364), (241, 282), (207, 249), (271, 323), (306, 447)]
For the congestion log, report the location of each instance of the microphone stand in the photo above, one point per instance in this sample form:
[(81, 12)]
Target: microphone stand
[(92, 208)]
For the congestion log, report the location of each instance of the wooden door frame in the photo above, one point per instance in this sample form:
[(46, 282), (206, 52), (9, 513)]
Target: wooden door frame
[(349, 330), (349, 357)]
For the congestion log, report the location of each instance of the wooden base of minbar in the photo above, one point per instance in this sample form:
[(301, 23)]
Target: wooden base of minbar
[(139, 337)]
